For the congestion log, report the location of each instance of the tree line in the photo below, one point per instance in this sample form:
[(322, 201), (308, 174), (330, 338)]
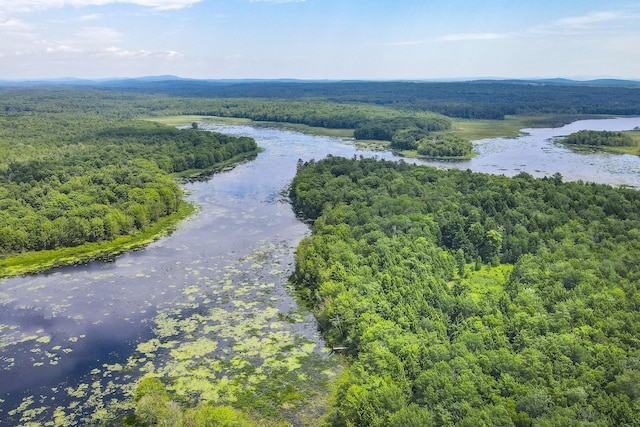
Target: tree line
[(471, 100), (470, 299)]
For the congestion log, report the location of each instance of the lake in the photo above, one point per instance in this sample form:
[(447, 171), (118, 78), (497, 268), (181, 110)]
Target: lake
[(209, 307)]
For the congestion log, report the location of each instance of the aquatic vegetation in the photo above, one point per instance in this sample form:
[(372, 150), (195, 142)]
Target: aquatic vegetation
[(207, 310), (226, 333), (234, 351)]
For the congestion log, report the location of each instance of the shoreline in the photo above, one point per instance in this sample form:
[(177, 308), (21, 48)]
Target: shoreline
[(36, 262)]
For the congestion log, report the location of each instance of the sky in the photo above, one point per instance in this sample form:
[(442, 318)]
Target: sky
[(320, 39)]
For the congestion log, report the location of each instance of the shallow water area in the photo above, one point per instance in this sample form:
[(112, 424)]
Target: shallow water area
[(538, 152), (208, 307)]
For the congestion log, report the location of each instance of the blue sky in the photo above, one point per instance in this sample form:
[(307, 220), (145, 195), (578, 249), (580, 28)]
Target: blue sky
[(320, 39)]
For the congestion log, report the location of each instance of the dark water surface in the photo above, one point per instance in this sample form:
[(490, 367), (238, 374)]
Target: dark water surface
[(210, 302)]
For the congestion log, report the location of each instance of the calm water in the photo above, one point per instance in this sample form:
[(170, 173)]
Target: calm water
[(537, 153), (70, 338)]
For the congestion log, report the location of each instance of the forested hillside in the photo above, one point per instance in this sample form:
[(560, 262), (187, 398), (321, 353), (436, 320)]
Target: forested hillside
[(470, 299)]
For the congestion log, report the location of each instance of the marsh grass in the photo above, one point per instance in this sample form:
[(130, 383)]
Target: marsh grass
[(632, 149), (186, 120), (511, 126)]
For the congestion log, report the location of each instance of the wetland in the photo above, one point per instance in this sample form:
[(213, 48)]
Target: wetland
[(209, 309)]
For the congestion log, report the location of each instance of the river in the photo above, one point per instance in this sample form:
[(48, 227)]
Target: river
[(209, 306)]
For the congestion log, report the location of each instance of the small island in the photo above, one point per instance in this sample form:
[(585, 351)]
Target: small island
[(416, 142), (600, 138), (610, 141)]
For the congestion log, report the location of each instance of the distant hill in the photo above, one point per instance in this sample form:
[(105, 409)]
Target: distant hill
[(171, 80), (560, 81), (478, 99)]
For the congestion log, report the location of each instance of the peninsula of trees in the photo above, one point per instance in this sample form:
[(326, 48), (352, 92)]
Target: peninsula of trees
[(469, 299)]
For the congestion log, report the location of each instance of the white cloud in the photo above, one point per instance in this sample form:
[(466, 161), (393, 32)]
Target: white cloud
[(97, 35), (473, 36), (14, 7), (277, 1), (586, 21), (14, 25), (16, 35), (66, 51), (87, 42), (62, 49), (123, 53), (90, 17), (404, 43), (580, 24)]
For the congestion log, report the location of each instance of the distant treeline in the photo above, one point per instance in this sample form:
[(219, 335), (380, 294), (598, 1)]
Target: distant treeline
[(368, 121), (473, 100), (604, 138)]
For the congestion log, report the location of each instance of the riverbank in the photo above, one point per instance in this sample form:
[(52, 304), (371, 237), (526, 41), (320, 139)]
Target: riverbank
[(180, 121), (40, 261), (469, 129)]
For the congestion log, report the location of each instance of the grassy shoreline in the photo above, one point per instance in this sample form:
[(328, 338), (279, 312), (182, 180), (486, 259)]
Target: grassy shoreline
[(312, 130), (39, 261), (466, 128), (633, 150)]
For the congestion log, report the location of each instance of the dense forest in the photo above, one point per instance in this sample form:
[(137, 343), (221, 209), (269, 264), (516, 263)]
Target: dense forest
[(432, 145), (368, 122), (470, 299), (461, 298), (67, 178)]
